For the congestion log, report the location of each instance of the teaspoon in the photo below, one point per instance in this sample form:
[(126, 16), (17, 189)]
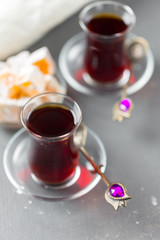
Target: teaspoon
[(116, 193)]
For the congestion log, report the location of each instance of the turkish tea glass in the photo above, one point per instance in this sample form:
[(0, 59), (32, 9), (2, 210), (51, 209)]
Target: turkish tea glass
[(105, 59), (52, 159)]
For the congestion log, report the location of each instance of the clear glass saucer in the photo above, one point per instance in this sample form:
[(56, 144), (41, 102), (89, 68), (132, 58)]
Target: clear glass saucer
[(71, 67), (16, 167)]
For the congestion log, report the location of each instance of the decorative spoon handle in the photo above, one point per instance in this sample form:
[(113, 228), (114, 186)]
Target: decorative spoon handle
[(116, 193), (96, 168), (137, 49)]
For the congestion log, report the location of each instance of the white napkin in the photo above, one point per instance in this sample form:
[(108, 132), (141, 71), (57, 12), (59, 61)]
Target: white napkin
[(23, 22)]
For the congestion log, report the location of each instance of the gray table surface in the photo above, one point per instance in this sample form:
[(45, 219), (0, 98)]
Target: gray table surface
[(133, 150)]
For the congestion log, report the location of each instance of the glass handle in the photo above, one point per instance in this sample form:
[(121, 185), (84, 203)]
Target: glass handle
[(137, 48)]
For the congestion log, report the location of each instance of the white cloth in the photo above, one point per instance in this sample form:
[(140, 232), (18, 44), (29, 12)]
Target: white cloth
[(23, 22)]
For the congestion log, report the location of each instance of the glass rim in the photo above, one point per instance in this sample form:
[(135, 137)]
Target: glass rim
[(103, 2), (57, 138)]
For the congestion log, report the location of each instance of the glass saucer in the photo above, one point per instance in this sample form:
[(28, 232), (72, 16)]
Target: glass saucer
[(71, 67), (16, 167)]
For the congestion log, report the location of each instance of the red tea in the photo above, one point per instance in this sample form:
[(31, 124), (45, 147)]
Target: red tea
[(52, 161), (106, 57), (106, 24)]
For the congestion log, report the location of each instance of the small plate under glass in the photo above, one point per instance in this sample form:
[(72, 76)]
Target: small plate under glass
[(18, 172), (71, 66)]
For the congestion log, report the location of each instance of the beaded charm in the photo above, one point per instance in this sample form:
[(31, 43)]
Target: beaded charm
[(116, 195), (122, 109)]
